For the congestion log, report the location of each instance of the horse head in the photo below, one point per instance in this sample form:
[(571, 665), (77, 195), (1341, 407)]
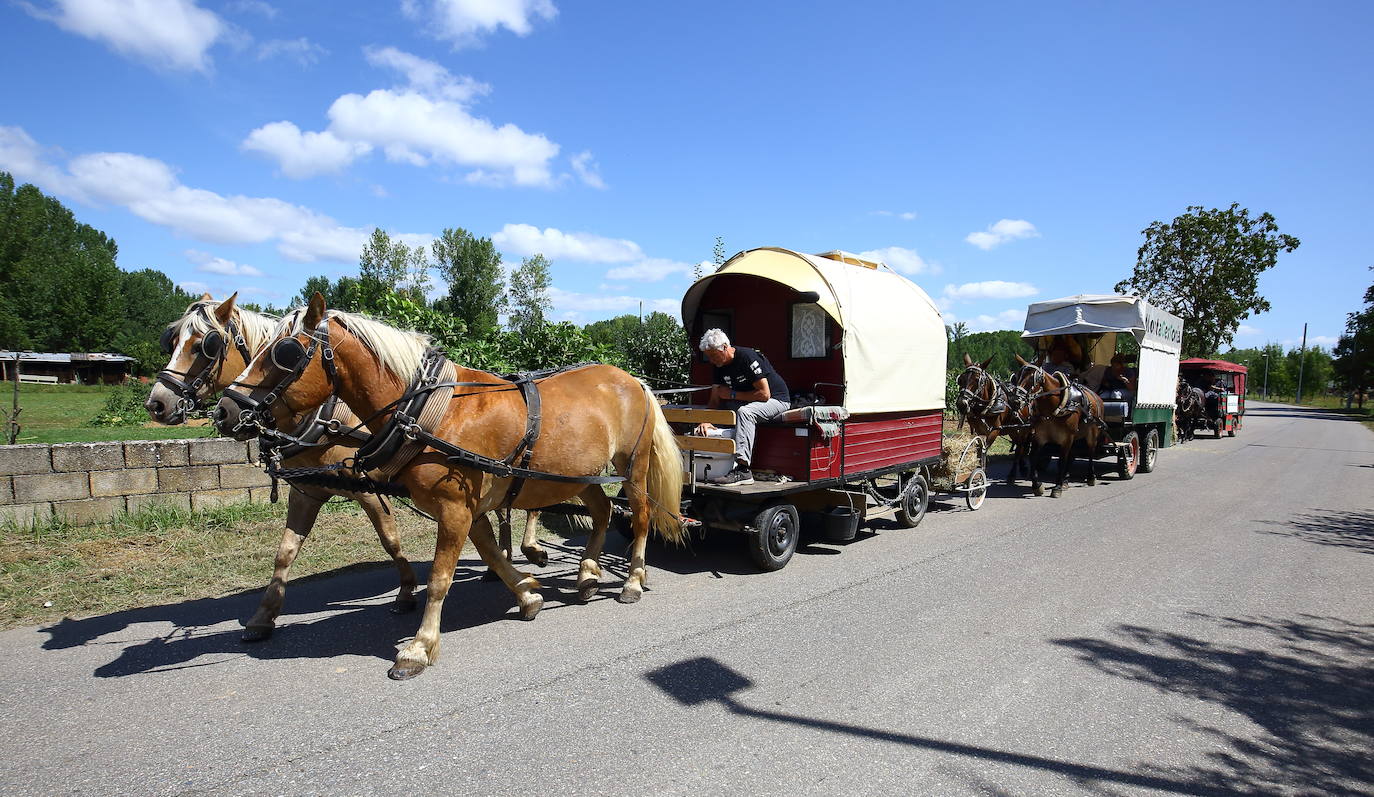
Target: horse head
[(207, 338), (977, 388)]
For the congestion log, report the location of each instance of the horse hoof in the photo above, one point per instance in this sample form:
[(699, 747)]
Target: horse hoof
[(257, 633), (537, 556), (404, 605), (490, 575), (1038, 490), (588, 589), (530, 609), (630, 595), (1056, 492), (404, 672)]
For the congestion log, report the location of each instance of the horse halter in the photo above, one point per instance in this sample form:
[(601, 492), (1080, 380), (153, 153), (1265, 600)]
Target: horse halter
[(290, 357), (971, 401), (211, 350)]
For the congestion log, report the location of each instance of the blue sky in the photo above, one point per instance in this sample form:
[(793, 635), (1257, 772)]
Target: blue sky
[(996, 153)]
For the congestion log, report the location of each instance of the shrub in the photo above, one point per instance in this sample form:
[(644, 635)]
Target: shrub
[(124, 405)]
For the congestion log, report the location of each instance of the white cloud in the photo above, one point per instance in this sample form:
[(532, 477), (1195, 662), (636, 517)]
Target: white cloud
[(1014, 318), (588, 170), (1246, 329), (464, 22), (906, 215), (424, 121), (649, 270), (302, 50), (171, 34), (1001, 232), (1322, 340), (210, 264), (252, 7), (304, 154), (525, 240), (576, 306), (194, 287), (151, 190), (990, 289), (906, 261)]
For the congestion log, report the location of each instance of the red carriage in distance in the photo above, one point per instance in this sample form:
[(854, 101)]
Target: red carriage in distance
[(1206, 375), (869, 346)]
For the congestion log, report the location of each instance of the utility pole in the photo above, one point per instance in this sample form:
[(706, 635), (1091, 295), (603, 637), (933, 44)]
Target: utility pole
[(1265, 355), (1302, 361)]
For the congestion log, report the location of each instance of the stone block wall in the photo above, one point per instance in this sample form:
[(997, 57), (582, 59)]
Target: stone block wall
[(91, 482)]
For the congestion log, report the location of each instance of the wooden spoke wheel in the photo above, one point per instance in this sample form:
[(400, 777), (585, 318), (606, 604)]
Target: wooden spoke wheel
[(1128, 460), (1151, 452)]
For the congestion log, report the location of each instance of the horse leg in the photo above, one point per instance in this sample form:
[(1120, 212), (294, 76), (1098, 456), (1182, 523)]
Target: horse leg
[(1065, 462), (1092, 460), (301, 512), (522, 584), (529, 544), (503, 523), (1039, 457), (589, 574), (385, 523), (423, 650)]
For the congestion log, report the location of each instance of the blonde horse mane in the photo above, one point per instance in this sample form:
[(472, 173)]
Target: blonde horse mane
[(256, 328), (399, 351)]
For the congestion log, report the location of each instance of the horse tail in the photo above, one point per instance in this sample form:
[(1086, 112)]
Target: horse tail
[(665, 476)]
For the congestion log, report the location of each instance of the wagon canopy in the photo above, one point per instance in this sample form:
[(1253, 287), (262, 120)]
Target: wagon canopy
[(893, 340), (1195, 363), (1160, 334)]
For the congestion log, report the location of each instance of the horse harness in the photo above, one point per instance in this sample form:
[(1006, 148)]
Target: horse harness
[(971, 401), (1071, 399), (211, 350), (410, 429)]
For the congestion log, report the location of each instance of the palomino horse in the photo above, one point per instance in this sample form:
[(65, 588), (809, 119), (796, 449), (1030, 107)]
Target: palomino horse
[(1059, 419), (211, 344), (1190, 407), (449, 456), (991, 410)]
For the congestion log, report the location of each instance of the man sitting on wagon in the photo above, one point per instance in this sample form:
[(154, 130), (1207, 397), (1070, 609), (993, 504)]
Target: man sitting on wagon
[(1117, 384), (1059, 361), (745, 382)]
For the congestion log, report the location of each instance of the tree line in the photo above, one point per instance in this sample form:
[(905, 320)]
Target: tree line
[(61, 290)]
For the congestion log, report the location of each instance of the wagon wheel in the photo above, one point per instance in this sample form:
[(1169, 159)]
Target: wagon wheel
[(1151, 451), (979, 448), (1216, 431), (911, 505), (773, 538), (1128, 460), (976, 491)]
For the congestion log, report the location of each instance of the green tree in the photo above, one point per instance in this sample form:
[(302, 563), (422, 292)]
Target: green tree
[(1204, 267), (472, 268), (528, 300), (1354, 352)]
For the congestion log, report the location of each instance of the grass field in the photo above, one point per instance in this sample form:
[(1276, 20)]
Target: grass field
[(62, 414)]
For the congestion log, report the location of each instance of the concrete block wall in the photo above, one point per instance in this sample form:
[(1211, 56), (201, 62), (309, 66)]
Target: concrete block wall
[(90, 482)]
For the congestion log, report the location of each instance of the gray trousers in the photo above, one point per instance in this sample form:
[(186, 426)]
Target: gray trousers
[(747, 415)]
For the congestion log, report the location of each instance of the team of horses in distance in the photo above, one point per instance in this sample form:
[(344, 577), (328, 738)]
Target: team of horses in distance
[(314, 361)]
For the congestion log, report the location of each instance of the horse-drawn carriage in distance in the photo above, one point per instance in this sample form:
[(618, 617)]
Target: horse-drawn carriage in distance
[(862, 349), (1223, 386), (1138, 420)]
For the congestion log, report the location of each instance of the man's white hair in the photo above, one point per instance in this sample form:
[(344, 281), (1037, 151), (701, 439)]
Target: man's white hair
[(714, 339)]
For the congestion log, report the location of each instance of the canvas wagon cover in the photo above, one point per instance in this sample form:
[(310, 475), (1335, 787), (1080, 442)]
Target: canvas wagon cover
[(1160, 334), (893, 339)]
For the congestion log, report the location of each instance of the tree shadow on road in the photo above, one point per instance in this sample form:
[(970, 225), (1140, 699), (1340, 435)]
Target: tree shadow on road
[(1309, 687), (1342, 529)]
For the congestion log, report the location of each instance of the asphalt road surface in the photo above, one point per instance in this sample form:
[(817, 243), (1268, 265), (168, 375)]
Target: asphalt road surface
[(1204, 629)]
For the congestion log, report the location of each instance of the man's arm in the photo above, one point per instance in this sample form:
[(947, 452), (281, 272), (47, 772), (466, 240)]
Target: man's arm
[(759, 393)]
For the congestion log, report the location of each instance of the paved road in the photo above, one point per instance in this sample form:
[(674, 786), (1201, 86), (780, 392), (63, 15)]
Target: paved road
[(1205, 629)]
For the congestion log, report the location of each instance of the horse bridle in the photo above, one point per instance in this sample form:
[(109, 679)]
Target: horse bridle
[(211, 350), (971, 401), (290, 357)]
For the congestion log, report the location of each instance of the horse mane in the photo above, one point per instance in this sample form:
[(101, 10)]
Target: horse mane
[(199, 319), (399, 351)]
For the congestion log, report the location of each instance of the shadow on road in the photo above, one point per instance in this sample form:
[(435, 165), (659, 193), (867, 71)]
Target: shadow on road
[(1309, 413), (1343, 529), (1310, 692), (704, 680)]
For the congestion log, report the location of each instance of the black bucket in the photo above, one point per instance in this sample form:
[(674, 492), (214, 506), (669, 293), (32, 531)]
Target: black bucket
[(841, 524)]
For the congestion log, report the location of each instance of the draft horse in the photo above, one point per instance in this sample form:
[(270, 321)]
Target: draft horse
[(463, 445), (1061, 414), (992, 409), (208, 346), (1191, 408)]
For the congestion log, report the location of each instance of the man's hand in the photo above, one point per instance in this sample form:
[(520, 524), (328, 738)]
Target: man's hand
[(704, 429)]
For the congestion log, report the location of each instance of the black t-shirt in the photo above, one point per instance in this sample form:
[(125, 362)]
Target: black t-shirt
[(747, 368)]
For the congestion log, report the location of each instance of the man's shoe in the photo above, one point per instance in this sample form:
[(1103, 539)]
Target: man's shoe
[(736, 476)]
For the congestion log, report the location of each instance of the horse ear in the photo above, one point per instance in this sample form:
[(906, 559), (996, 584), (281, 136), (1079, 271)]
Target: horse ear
[(968, 361), (206, 297), (1021, 359), (225, 311), (314, 314), (986, 363)]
